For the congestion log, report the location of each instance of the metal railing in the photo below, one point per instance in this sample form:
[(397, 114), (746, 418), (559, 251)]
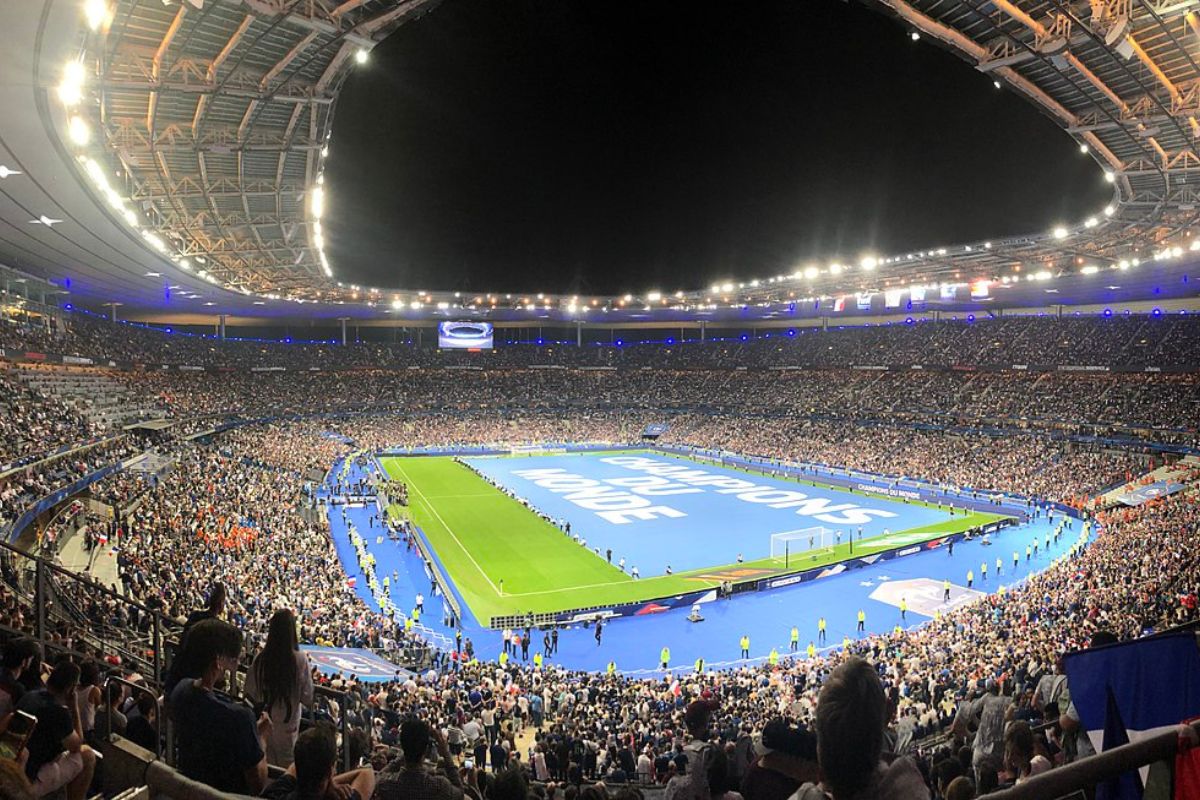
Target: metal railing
[(1086, 773)]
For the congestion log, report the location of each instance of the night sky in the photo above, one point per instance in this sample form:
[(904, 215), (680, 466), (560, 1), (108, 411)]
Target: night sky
[(588, 147)]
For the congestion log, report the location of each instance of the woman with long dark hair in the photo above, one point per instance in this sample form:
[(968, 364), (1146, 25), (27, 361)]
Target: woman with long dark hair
[(280, 681)]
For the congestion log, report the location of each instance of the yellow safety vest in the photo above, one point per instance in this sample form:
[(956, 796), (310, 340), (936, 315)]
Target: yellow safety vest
[(612, 667), (862, 617), (774, 657), (812, 651)]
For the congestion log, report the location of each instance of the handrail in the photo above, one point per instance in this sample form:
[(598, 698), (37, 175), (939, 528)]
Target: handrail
[(1087, 772), (133, 687)]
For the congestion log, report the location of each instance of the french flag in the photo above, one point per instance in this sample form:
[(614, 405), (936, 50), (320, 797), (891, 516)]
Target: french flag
[(1130, 691)]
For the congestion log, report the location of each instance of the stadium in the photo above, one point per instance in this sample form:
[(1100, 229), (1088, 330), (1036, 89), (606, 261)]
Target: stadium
[(698, 518)]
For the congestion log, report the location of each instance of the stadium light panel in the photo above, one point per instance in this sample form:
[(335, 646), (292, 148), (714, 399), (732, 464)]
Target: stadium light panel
[(79, 131), (361, 57), (1060, 232), (70, 91)]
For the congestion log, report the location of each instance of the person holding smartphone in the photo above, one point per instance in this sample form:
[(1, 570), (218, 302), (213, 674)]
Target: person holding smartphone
[(58, 758), (406, 778)]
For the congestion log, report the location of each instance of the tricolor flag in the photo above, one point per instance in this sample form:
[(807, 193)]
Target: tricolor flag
[(1133, 690)]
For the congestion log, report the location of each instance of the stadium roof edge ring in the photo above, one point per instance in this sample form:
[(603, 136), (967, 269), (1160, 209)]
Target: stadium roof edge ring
[(207, 125)]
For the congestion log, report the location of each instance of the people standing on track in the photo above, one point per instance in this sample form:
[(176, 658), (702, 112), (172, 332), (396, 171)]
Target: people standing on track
[(744, 643), (862, 620), (599, 631), (795, 642), (821, 630), (664, 657), (970, 578), (946, 590)]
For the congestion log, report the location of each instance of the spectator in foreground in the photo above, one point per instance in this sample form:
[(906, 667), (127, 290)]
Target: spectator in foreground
[(58, 758), (787, 759), (310, 775), (407, 778), (852, 718), (219, 742), (279, 681)]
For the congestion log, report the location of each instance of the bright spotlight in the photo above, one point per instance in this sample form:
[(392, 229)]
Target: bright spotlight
[(96, 13), (1083, 148), (1060, 232), (868, 263), (916, 37), (79, 131), (361, 57), (70, 91), (1110, 177), (318, 202)]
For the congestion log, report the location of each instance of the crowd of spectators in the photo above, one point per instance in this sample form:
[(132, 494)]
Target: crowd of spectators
[(235, 513), (1164, 341), (32, 423)]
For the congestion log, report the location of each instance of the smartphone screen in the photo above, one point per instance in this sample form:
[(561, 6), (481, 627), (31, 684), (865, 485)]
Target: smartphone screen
[(19, 729)]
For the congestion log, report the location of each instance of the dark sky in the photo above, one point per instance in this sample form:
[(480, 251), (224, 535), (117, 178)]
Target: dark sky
[(561, 145)]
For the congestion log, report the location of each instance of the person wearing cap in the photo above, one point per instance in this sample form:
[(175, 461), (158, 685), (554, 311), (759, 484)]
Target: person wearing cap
[(785, 758)]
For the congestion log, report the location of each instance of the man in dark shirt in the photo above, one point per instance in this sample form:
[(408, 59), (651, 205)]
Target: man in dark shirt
[(310, 776), (58, 758), (142, 728), (219, 742), (499, 757), (19, 655)]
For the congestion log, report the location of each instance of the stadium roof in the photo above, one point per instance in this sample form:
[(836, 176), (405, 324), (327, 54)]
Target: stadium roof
[(167, 155)]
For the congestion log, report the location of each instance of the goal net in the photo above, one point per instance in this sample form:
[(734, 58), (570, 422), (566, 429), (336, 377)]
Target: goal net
[(804, 544)]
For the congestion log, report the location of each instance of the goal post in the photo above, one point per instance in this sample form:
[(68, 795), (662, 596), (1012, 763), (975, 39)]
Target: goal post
[(789, 547)]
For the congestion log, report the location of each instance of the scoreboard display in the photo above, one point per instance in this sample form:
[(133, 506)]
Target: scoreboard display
[(465, 335)]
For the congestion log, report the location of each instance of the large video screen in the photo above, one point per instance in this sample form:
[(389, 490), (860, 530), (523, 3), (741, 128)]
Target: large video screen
[(465, 335)]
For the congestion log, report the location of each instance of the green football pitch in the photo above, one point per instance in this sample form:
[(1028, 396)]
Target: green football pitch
[(506, 560)]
